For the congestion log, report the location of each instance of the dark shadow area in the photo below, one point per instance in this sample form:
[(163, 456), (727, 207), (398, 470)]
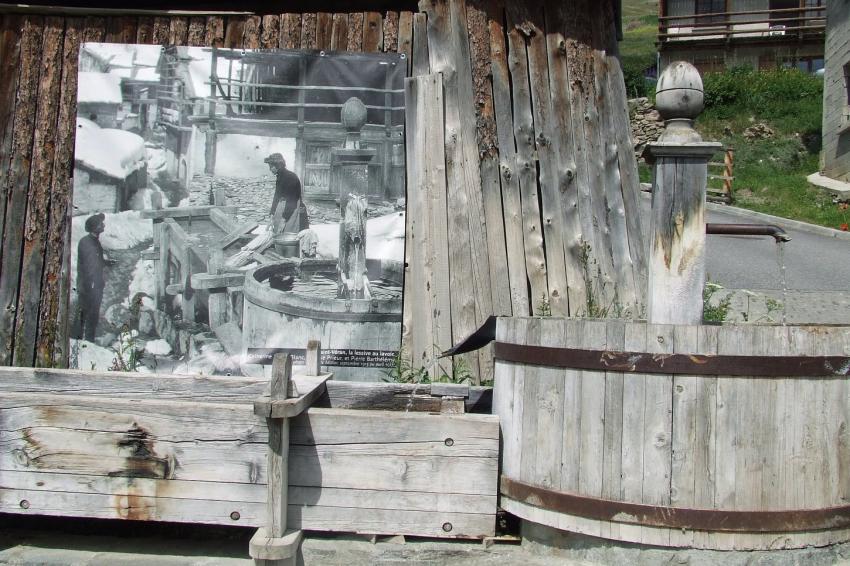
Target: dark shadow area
[(104, 535)]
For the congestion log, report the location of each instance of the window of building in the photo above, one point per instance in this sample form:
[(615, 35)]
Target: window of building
[(710, 7)]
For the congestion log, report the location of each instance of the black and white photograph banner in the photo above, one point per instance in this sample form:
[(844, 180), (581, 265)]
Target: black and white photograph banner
[(231, 204)]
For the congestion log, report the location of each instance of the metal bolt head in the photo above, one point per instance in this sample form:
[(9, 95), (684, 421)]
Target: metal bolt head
[(447, 527), (235, 516)]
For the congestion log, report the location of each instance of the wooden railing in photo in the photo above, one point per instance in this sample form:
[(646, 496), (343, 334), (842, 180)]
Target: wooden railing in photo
[(529, 192), (721, 174), (372, 458)]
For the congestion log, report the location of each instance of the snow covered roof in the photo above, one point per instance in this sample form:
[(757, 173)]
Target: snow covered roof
[(149, 74), (102, 88), (114, 153)]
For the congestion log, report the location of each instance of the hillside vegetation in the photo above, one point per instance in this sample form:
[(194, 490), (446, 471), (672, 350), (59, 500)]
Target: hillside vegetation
[(770, 167)]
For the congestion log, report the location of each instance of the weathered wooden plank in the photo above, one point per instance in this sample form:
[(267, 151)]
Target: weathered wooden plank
[(376, 520), (38, 198), (373, 32), (449, 54), (391, 32), (526, 172), (685, 441), (405, 36), (592, 411), (630, 182), (356, 21), (705, 431), (234, 31), (161, 30), (511, 205), (339, 32), (290, 31), (196, 34), (429, 304), (144, 30), (634, 417), (544, 144), (612, 447), (178, 31), (658, 430), (131, 505), (95, 28), (215, 31), (550, 409), (306, 391), (16, 179), (270, 34), (308, 31), (251, 32), (121, 29), (479, 43), (514, 445), (626, 294), (420, 64), (9, 67), (324, 29), (530, 333)]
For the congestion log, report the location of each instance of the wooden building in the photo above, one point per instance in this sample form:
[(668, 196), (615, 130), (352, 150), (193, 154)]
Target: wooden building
[(762, 34), (836, 93), (521, 184)]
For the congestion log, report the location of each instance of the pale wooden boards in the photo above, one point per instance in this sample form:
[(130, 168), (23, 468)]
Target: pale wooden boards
[(696, 442), (163, 451)]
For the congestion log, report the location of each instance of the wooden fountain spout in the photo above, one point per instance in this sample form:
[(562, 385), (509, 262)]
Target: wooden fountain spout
[(353, 280)]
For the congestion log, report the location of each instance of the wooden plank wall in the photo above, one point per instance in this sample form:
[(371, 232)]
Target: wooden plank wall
[(535, 157), (146, 450)]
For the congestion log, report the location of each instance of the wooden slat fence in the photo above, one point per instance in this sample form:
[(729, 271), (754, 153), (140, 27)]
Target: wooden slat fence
[(535, 207)]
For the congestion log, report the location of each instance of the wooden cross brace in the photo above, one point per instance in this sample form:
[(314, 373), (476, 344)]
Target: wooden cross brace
[(274, 545)]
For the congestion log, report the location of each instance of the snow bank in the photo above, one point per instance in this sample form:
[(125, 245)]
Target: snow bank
[(102, 88), (123, 230), (143, 281), (90, 356), (158, 347), (115, 153), (384, 237), (149, 74)]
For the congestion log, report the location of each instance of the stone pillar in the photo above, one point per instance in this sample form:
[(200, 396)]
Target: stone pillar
[(680, 170)]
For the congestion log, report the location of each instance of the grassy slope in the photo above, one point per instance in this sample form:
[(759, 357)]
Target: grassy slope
[(770, 175)]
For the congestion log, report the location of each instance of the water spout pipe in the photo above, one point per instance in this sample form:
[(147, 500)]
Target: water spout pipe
[(772, 230)]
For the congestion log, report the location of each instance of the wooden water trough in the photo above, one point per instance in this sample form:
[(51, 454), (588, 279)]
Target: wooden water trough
[(364, 458), (718, 437)]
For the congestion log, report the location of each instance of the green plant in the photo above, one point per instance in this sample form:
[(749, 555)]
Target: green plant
[(544, 308), (403, 371), (595, 288), (714, 311), (127, 357)]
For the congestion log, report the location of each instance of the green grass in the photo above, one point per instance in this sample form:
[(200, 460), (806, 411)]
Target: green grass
[(637, 50)]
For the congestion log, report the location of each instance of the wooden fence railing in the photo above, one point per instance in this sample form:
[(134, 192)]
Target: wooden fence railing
[(720, 177), (793, 22)]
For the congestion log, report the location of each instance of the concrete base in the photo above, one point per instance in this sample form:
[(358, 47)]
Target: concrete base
[(572, 548), (839, 189)]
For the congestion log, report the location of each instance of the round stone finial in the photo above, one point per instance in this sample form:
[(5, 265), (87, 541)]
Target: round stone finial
[(679, 93), (353, 115)]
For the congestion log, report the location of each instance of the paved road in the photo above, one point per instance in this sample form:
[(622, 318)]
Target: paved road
[(813, 262)]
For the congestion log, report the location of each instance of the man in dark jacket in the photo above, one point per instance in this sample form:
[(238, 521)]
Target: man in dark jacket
[(293, 217), (90, 276)]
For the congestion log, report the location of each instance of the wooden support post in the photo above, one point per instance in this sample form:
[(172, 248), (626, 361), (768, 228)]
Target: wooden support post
[(273, 545), (313, 360), (677, 232), (217, 305)]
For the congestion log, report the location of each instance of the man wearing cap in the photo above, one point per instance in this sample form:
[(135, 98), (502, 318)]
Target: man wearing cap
[(90, 278), (293, 214)]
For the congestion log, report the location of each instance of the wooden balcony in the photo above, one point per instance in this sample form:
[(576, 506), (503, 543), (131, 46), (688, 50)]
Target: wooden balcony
[(778, 25)]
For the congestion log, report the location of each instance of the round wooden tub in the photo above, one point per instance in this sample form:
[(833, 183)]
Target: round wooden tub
[(275, 318), (722, 437)]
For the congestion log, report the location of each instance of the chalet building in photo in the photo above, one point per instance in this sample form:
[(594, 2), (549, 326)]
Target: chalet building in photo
[(761, 34)]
